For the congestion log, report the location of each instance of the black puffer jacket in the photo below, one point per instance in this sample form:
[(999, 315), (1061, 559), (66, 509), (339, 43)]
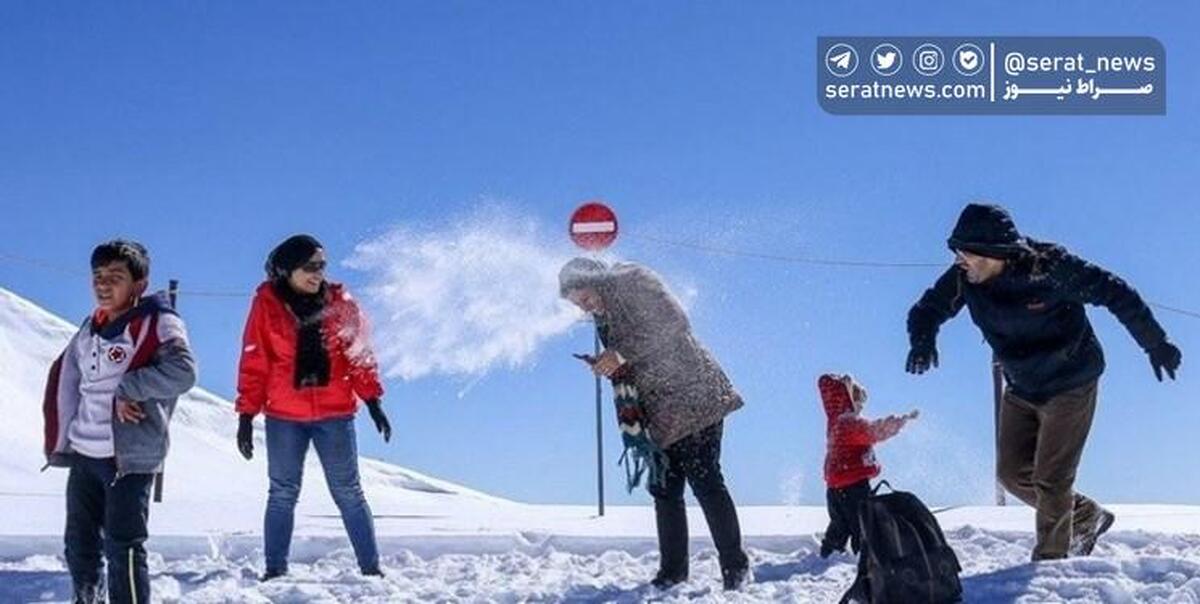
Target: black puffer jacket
[(1033, 314)]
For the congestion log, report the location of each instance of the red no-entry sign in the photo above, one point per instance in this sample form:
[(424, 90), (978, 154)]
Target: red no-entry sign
[(593, 226)]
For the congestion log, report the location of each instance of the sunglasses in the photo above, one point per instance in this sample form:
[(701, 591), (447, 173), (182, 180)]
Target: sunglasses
[(314, 267)]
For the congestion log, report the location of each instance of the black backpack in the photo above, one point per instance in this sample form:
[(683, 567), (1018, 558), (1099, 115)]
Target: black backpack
[(905, 557)]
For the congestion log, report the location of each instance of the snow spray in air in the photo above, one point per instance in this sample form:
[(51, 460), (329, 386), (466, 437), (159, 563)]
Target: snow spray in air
[(464, 298)]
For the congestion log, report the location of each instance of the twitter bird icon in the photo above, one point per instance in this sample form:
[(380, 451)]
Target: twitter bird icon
[(886, 59)]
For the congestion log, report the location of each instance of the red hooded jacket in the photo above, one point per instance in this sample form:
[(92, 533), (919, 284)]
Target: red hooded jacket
[(266, 369), (850, 456)]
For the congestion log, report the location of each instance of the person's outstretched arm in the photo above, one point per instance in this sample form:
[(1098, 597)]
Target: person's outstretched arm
[(939, 304), (888, 427), (1087, 283)]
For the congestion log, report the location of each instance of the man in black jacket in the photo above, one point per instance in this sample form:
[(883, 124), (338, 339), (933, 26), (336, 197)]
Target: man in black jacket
[(1027, 297)]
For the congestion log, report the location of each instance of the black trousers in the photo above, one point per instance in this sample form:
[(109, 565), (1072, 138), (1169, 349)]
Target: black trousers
[(696, 460), (843, 506), (843, 516), (108, 516)]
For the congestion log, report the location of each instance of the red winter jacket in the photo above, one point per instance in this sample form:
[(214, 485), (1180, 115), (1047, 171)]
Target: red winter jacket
[(850, 457), (266, 370)]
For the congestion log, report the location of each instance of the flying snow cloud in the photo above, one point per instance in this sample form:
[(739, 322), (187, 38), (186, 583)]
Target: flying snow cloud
[(466, 298)]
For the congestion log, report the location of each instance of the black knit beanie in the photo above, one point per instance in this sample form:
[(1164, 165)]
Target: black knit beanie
[(291, 255)]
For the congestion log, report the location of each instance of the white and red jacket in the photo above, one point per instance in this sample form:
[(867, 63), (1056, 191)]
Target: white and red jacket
[(850, 454), (267, 366), (142, 356)]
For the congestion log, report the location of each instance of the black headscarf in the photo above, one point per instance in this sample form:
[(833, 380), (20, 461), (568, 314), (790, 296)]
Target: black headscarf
[(312, 359)]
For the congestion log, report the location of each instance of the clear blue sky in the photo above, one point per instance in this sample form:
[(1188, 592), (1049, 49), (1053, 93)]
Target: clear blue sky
[(211, 130)]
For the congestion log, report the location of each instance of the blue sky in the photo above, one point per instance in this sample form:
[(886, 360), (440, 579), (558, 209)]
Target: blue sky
[(212, 130)]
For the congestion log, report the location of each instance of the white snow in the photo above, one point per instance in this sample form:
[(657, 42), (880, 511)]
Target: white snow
[(446, 543), (464, 298)]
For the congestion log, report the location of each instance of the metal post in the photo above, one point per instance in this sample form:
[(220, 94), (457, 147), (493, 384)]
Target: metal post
[(173, 296), (998, 399), (599, 439)]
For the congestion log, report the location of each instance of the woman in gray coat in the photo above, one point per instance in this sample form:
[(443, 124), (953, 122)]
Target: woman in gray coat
[(685, 394)]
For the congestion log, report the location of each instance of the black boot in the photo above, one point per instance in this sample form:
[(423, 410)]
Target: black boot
[(664, 580), (736, 578), (272, 574), (1091, 531), (90, 594)]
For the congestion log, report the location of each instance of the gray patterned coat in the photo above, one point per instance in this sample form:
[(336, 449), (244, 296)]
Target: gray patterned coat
[(682, 385)]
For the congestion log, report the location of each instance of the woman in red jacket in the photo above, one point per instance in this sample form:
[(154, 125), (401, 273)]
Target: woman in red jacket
[(305, 364)]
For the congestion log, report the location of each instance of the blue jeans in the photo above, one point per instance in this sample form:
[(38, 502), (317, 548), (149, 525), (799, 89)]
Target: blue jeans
[(337, 448)]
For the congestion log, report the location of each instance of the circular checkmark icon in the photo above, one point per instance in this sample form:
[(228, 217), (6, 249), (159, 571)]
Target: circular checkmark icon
[(886, 59), (968, 59)]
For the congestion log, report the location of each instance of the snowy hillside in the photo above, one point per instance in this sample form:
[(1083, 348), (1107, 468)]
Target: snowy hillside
[(446, 543)]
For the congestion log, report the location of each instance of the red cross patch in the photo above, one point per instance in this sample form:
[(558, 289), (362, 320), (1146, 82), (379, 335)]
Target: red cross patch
[(117, 354)]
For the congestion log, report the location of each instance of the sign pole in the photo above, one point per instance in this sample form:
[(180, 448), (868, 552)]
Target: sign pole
[(997, 400), (599, 438), (593, 227), (173, 296)]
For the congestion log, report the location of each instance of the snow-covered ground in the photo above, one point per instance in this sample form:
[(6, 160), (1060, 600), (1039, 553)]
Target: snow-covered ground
[(566, 554), (446, 543)]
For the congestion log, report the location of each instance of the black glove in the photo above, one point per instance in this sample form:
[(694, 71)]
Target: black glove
[(1165, 356), (826, 549), (245, 435), (381, 421), (922, 359)]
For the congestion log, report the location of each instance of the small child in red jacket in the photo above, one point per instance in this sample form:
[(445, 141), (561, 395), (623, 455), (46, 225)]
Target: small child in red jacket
[(850, 458)]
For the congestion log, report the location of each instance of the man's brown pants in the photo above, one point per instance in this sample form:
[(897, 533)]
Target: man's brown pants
[(1039, 451)]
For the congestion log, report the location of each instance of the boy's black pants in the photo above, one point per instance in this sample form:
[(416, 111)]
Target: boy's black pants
[(108, 516), (843, 525), (843, 516)]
